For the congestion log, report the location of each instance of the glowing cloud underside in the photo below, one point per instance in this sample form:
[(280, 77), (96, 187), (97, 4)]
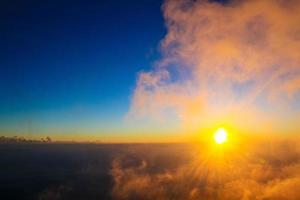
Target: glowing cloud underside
[(238, 62), (259, 171)]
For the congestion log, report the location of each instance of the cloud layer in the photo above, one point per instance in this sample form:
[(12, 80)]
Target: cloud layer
[(263, 170), (240, 57)]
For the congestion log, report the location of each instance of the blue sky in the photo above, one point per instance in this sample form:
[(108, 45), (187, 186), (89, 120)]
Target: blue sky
[(70, 68), (67, 64)]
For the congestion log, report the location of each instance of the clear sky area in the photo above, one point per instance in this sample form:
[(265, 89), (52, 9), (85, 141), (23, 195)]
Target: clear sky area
[(70, 67)]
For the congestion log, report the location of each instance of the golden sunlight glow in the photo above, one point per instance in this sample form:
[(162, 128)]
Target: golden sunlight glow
[(220, 136)]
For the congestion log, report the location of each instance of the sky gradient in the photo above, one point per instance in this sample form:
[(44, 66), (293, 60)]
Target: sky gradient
[(70, 67), (149, 70)]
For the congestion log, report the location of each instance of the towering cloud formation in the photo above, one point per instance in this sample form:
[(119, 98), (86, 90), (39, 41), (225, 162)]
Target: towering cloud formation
[(224, 60), (236, 62)]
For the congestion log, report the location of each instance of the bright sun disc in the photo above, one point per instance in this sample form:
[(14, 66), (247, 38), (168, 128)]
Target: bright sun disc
[(220, 136)]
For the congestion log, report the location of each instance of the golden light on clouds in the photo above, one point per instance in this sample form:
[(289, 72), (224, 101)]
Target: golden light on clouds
[(233, 65), (265, 169), (238, 61)]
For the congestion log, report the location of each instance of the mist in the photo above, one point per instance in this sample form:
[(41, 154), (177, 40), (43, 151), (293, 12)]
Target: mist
[(264, 169)]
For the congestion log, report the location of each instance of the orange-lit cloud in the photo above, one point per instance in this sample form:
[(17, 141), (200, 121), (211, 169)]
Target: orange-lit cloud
[(239, 60), (264, 170)]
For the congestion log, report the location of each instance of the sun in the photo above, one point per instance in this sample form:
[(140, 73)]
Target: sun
[(220, 136)]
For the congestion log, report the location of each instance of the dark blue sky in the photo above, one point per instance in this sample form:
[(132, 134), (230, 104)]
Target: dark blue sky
[(60, 56)]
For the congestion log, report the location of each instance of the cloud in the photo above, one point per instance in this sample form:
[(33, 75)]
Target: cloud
[(55, 193), (220, 58), (263, 170)]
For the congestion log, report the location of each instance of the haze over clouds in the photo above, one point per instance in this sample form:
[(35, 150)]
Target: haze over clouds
[(235, 62), (262, 170)]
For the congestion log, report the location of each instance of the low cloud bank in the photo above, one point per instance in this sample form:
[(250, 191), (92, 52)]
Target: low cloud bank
[(261, 170)]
